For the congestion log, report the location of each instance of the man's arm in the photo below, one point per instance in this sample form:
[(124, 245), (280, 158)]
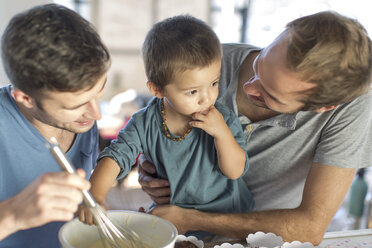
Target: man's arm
[(51, 197), (324, 191)]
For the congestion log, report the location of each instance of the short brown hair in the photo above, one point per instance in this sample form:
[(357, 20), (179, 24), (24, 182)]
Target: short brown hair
[(52, 48), (177, 44), (332, 51)]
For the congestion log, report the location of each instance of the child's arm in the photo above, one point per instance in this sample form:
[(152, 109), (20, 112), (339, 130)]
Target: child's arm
[(231, 157), (103, 177)]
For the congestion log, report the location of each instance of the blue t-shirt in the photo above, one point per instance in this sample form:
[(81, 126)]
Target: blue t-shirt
[(24, 157), (190, 165)]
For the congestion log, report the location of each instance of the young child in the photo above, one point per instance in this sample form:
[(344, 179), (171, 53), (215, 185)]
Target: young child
[(195, 142)]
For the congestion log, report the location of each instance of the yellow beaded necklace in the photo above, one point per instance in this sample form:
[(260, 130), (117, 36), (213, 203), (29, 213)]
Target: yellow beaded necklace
[(166, 128)]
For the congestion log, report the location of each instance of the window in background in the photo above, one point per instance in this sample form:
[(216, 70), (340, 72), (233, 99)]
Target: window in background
[(230, 19), (258, 22), (83, 7)]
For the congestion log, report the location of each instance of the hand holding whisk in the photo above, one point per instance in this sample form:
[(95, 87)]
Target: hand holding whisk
[(113, 236)]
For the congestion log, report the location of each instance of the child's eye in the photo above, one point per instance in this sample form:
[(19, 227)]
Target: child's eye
[(214, 83), (191, 92)]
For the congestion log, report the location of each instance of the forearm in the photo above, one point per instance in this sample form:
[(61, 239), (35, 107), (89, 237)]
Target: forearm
[(231, 157), (7, 220), (287, 223), (103, 177), (324, 191)]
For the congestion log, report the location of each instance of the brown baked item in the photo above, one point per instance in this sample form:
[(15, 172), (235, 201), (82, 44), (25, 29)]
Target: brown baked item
[(185, 244)]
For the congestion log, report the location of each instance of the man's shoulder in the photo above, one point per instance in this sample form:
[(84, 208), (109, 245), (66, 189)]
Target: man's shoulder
[(238, 48), (362, 104), (365, 99), (358, 111)]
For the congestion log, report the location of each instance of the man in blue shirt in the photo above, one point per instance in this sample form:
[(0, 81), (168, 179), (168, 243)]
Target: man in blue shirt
[(57, 65)]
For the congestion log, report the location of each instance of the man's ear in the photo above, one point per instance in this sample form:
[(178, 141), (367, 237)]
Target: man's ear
[(22, 98), (154, 90), (325, 109)]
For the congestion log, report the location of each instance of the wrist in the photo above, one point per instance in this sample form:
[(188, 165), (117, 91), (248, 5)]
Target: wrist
[(193, 219), (224, 136), (7, 220)]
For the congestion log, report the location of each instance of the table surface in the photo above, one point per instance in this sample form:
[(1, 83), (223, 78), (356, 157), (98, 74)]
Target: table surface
[(353, 238)]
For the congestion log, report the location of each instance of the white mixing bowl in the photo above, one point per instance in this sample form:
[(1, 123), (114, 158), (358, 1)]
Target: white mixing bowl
[(154, 231)]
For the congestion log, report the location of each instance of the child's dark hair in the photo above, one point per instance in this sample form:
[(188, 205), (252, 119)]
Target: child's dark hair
[(177, 44)]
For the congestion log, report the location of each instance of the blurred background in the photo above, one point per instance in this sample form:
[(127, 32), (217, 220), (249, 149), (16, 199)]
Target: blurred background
[(123, 25)]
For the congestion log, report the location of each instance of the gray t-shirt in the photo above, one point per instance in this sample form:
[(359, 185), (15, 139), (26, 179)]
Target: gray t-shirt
[(282, 149)]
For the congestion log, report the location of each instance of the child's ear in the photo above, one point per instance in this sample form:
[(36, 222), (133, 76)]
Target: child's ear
[(154, 90)]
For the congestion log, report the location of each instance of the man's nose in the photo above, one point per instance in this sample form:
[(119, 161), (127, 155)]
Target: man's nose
[(94, 111)]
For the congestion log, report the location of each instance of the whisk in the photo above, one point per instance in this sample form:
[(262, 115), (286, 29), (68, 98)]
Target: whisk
[(112, 235)]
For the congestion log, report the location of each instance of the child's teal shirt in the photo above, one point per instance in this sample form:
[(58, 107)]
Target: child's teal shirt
[(190, 165)]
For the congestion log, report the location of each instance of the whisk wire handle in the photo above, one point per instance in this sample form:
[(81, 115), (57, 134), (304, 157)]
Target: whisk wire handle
[(66, 165), (116, 236)]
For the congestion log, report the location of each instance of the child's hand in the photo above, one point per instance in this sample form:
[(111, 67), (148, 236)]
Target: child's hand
[(211, 122), (85, 215)]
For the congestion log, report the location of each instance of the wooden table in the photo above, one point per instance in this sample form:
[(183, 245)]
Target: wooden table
[(354, 238)]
